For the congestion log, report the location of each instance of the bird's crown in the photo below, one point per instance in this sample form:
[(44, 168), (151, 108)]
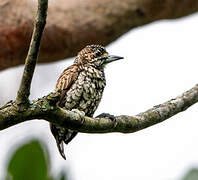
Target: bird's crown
[(90, 53), (94, 55)]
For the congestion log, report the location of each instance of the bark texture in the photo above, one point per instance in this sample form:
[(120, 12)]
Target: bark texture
[(32, 56), (72, 24), (46, 108)]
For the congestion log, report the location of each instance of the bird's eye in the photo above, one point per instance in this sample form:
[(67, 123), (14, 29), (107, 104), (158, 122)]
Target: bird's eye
[(98, 53)]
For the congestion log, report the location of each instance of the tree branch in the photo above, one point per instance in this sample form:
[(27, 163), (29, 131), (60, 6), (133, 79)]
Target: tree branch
[(45, 108), (72, 24), (30, 63)]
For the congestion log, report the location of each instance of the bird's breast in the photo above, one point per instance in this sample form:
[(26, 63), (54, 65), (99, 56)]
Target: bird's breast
[(86, 93)]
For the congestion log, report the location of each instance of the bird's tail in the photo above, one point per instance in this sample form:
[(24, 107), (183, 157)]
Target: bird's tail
[(58, 135), (61, 148), (62, 135), (69, 136)]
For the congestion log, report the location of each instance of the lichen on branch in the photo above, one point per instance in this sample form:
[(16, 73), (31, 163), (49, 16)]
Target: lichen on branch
[(46, 108)]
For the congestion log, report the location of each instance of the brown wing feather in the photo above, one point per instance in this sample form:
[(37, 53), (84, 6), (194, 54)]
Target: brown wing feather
[(65, 81)]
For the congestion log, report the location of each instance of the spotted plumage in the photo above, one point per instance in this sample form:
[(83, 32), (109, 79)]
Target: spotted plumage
[(82, 85)]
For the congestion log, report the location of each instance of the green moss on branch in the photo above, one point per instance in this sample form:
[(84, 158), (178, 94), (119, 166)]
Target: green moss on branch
[(46, 108)]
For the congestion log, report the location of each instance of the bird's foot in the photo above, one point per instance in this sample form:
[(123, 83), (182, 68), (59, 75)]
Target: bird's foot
[(80, 113), (109, 116)]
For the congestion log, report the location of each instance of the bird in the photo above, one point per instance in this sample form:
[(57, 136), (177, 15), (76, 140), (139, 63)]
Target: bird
[(81, 86)]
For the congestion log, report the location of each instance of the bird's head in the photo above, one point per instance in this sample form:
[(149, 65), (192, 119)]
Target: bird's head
[(96, 56)]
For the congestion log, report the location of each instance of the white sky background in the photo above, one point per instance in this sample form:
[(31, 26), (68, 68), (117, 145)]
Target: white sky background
[(161, 62)]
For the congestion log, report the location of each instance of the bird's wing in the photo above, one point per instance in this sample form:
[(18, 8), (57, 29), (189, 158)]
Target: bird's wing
[(65, 81)]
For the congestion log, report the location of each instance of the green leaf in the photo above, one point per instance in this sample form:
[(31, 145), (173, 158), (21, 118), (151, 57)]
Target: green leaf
[(28, 163), (191, 175), (63, 176)]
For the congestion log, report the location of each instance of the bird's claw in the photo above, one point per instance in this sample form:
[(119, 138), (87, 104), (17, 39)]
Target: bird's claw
[(110, 116), (80, 113)]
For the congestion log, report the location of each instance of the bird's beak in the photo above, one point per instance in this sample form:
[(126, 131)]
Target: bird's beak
[(112, 58)]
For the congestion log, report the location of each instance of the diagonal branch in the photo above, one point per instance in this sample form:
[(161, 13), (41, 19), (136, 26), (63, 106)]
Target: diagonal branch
[(31, 59), (72, 24), (45, 108)]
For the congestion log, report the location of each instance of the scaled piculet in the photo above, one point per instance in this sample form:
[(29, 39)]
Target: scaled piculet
[(82, 85)]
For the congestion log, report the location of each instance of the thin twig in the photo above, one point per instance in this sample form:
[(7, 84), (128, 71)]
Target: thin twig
[(31, 59)]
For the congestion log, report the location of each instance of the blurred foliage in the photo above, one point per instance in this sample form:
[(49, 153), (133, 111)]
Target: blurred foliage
[(191, 175), (31, 162)]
